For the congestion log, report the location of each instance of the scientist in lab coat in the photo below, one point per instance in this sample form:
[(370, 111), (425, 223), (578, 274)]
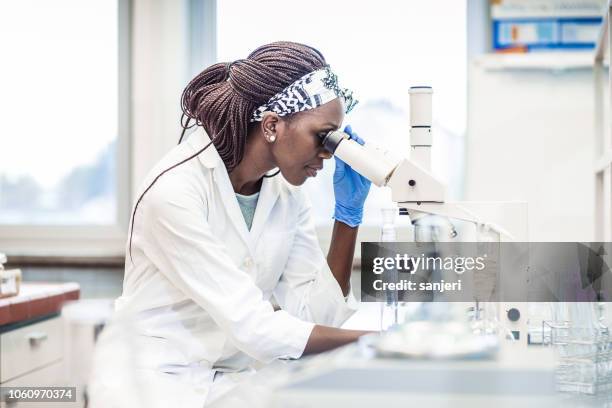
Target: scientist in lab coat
[(221, 228)]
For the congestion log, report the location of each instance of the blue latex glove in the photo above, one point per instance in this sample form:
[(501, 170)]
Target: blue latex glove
[(350, 189)]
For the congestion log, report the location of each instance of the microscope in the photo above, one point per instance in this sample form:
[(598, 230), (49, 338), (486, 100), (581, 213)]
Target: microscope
[(418, 193)]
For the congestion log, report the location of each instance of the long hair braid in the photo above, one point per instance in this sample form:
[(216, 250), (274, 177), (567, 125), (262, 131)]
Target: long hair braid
[(223, 97)]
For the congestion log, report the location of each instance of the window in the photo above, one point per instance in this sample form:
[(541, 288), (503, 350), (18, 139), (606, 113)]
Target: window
[(62, 137), (379, 49)]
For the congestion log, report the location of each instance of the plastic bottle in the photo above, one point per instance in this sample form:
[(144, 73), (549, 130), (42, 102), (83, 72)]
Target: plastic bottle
[(389, 309)]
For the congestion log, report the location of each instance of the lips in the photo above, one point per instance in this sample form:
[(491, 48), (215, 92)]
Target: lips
[(312, 171)]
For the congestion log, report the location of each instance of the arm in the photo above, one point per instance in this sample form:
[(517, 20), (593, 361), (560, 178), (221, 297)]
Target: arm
[(307, 287), (341, 253), (323, 338), (180, 243), (350, 190)]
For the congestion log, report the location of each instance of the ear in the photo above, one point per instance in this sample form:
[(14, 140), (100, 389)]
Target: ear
[(269, 123)]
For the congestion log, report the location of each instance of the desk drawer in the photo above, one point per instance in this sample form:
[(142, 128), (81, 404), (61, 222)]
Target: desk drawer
[(30, 347), (49, 376)]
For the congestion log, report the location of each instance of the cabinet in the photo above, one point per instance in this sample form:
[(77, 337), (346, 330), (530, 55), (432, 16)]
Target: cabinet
[(32, 356), (32, 341)]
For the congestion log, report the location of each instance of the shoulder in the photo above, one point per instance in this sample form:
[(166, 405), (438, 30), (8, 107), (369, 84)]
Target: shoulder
[(184, 167), (178, 180)]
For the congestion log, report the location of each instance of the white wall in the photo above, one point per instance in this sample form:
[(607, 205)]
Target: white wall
[(531, 138)]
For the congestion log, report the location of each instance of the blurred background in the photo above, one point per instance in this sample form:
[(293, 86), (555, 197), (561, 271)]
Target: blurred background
[(90, 101)]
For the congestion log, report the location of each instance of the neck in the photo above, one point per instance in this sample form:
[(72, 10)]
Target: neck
[(247, 177)]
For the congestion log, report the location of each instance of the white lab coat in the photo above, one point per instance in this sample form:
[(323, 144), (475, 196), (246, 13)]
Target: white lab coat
[(200, 282)]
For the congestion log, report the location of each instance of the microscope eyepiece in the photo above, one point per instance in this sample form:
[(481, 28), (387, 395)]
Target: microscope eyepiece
[(332, 139)]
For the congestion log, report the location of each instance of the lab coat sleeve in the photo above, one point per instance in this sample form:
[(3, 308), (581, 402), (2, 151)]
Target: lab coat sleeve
[(307, 288), (183, 247)]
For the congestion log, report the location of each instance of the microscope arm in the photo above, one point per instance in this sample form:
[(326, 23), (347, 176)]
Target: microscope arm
[(464, 211)]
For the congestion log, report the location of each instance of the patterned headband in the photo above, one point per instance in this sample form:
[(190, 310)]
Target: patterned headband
[(309, 92)]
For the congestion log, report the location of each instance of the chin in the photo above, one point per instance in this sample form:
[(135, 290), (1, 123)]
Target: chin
[(296, 181)]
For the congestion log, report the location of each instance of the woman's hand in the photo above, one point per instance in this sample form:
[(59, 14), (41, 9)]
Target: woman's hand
[(350, 189), (323, 338)]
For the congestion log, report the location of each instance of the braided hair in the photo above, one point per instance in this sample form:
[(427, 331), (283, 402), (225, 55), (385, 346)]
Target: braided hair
[(223, 97)]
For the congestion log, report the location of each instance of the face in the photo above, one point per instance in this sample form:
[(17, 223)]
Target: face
[(297, 150)]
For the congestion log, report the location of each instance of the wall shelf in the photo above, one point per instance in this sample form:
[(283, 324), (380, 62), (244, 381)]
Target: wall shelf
[(552, 61), (603, 123)]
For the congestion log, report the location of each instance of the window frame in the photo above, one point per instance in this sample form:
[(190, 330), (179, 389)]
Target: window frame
[(90, 240)]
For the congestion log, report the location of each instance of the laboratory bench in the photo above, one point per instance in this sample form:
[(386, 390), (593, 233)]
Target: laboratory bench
[(353, 375), (31, 326), (348, 377), (38, 345), (32, 336), (98, 278)]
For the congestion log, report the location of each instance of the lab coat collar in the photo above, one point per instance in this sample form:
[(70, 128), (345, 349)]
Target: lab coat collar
[(270, 190), (198, 139)]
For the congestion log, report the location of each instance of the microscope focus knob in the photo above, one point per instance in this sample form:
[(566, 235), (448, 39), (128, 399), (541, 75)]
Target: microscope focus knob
[(513, 314)]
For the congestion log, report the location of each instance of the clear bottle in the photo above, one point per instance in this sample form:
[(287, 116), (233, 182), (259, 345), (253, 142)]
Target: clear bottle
[(431, 228), (389, 309), (488, 322)]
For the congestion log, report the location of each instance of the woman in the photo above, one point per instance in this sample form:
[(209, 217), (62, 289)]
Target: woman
[(215, 235)]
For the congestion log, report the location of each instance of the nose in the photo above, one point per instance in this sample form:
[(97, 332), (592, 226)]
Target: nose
[(324, 154)]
